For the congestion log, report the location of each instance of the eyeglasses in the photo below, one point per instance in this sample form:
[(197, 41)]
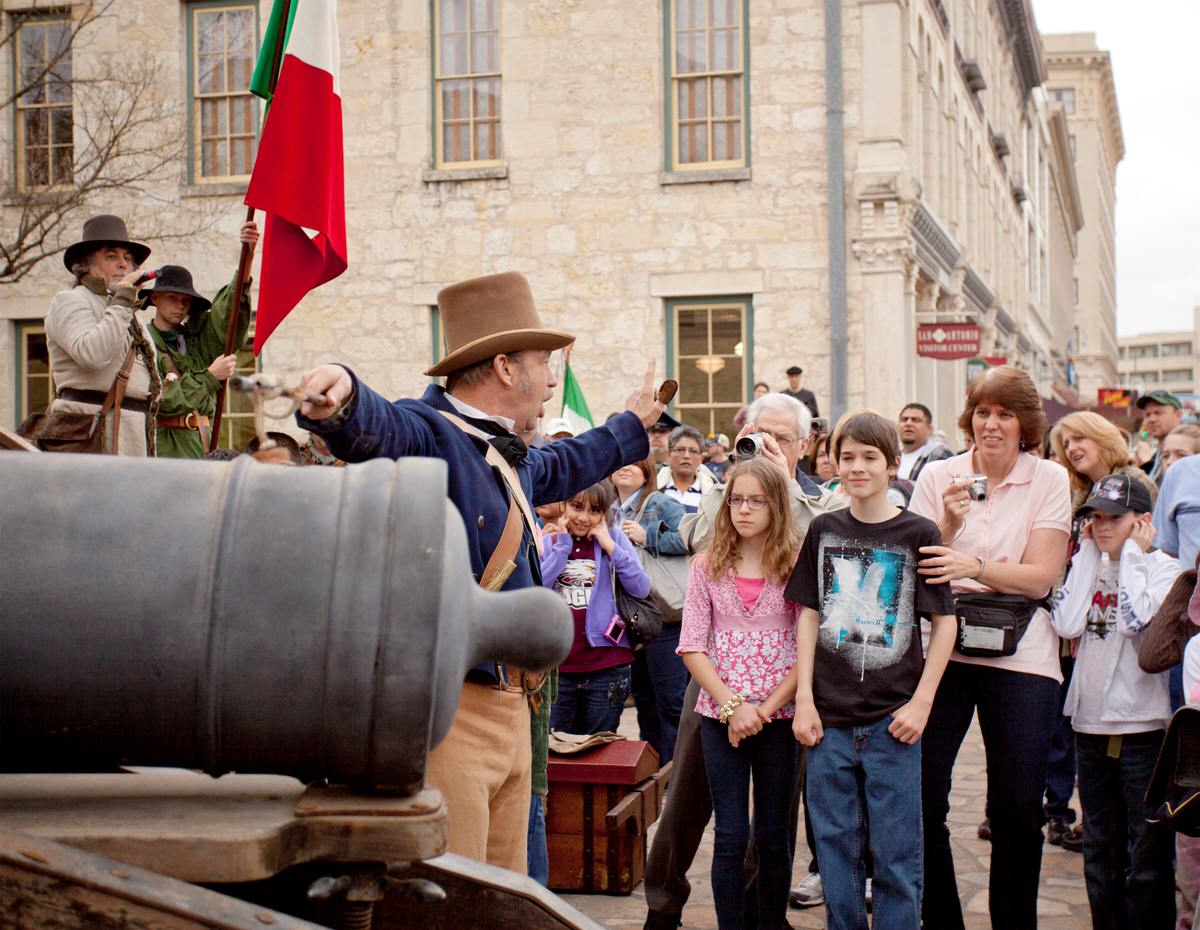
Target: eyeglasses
[(783, 440), (754, 503), (684, 450)]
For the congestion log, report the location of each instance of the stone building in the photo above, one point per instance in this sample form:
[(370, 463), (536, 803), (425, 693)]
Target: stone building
[(1168, 361), (728, 187), (1080, 79)]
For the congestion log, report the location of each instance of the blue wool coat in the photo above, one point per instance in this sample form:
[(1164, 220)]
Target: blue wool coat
[(373, 427)]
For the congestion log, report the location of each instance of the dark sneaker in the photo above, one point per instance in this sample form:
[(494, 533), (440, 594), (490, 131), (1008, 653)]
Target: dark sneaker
[(1055, 828), (985, 830), (809, 893), (1072, 839), (657, 920)]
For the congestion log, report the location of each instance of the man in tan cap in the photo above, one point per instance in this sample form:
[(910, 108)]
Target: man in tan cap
[(498, 379)]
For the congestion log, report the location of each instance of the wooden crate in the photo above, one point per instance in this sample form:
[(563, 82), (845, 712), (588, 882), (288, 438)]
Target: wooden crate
[(601, 803)]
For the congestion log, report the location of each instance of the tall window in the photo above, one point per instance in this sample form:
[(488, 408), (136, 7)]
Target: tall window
[(467, 82), (45, 119), (709, 354), (237, 416), (707, 92), (35, 385), (223, 46)]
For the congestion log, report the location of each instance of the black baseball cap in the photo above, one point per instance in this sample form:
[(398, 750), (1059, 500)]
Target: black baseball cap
[(795, 370), (1159, 397), (1117, 495)]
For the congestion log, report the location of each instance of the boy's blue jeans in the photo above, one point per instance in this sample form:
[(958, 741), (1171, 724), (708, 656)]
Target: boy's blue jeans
[(1127, 862), (771, 756), (856, 776)]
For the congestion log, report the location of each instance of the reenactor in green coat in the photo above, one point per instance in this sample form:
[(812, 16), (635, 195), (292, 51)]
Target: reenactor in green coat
[(189, 335)]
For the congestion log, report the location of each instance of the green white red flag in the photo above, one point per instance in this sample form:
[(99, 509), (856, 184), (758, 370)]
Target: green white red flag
[(299, 177), (575, 408)]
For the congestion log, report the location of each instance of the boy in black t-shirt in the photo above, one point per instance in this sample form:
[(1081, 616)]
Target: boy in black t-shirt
[(865, 690)]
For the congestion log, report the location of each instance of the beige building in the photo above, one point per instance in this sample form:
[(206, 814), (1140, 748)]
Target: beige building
[(1081, 81), (718, 186), (1168, 361)]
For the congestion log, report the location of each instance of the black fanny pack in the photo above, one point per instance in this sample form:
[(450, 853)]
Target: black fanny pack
[(991, 625)]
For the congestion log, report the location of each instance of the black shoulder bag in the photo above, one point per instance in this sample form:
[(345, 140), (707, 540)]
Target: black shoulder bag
[(642, 615)]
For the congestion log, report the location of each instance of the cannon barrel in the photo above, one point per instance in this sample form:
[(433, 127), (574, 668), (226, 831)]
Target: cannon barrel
[(314, 622)]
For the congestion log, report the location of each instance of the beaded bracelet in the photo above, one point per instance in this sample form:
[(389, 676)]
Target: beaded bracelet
[(730, 706)]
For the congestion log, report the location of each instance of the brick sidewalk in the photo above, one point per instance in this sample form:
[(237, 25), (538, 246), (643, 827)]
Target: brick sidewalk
[(1062, 904)]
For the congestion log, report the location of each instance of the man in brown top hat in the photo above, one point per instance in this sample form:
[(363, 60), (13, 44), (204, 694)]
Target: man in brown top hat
[(498, 379)]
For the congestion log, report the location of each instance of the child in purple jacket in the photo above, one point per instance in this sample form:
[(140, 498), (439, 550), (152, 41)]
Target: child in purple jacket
[(594, 679)]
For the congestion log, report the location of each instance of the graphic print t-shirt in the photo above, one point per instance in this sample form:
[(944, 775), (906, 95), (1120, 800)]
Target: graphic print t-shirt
[(575, 584), (862, 579)]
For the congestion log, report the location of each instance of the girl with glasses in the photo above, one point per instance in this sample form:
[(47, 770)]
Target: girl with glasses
[(738, 640)]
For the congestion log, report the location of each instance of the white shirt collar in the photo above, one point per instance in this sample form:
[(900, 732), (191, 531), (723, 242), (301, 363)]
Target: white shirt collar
[(468, 411)]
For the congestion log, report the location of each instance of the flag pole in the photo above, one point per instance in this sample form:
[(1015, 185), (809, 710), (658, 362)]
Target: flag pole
[(239, 286)]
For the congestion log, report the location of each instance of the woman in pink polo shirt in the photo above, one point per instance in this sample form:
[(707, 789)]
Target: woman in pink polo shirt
[(1008, 537)]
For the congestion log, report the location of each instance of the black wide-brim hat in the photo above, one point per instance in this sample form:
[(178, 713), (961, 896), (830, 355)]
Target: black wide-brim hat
[(100, 231), (175, 279)]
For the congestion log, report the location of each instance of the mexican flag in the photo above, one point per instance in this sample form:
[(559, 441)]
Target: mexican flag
[(575, 408), (298, 178)]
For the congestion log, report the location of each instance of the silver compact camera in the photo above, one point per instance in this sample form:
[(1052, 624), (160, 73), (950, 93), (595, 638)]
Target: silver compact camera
[(750, 446), (977, 489)]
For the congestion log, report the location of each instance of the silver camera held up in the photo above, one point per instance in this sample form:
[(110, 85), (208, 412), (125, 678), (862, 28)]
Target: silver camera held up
[(977, 489), (750, 446)]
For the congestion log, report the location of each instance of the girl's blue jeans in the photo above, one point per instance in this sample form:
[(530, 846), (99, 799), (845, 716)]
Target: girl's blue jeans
[(770, 757)]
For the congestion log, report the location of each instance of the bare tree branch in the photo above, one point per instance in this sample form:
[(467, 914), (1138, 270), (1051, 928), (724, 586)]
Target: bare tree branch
[(80, 20), (128, 140)]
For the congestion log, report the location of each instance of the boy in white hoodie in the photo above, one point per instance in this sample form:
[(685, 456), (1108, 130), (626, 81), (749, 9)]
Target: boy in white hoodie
[(1118, 712)]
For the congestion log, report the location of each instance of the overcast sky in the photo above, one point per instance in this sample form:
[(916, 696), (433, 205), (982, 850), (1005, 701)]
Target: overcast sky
[(1155, 45)]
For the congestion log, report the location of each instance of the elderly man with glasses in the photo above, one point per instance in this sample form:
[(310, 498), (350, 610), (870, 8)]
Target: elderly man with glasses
[(786, 427), (686, 480)]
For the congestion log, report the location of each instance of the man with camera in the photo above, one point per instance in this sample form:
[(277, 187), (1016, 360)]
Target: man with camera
[(498, 380), (778, 428)]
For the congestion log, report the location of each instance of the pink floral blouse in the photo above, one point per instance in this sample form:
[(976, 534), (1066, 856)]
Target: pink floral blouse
[(752, 650)]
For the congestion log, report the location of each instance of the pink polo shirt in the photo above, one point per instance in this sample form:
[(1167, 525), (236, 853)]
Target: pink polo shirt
[(1035, 495)]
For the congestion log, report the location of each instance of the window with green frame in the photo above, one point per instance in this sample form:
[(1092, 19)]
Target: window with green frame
[(223, 45), (707, 92), (710, 354), (34, 380), (237, 416)]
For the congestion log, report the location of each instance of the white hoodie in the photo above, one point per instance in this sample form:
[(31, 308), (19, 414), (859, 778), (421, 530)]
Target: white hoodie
[(1128, 700)]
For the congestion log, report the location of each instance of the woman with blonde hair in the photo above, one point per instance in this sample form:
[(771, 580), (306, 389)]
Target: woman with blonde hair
[(1090, 448)]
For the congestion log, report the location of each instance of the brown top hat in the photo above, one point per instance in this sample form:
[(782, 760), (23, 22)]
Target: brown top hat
[(103, 230), (486, 316)]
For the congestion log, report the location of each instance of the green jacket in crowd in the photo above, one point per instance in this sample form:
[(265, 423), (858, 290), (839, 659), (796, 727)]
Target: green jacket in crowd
[(188, 350)]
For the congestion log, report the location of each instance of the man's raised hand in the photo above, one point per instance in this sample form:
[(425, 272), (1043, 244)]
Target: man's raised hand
[(644, 401)]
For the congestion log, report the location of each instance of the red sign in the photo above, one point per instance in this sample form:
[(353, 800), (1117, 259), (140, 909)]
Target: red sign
[(948, 340), (1115, 397)]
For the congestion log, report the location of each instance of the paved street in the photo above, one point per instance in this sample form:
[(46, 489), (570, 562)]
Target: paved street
[(1062, 905)]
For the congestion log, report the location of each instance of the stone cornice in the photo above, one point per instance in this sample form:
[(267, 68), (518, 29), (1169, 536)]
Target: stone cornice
[(976, 291), (879, 255), (1024, 42), (935, 249), (1099, 62)]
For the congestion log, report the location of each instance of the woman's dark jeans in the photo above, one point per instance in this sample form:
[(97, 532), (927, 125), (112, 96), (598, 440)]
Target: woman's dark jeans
[(770, 755), (1016, 714), (659, 681), (592, 702), (1127, 862)]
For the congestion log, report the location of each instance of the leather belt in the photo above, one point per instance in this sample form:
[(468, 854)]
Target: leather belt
[(191, 420), (97, 397), (508, 678)]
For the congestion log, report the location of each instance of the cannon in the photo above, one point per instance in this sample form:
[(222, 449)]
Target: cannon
[(310, 624)]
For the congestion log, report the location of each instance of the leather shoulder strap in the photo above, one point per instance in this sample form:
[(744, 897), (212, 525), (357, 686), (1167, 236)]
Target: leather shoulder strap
[(515, 492), (116, 394)]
